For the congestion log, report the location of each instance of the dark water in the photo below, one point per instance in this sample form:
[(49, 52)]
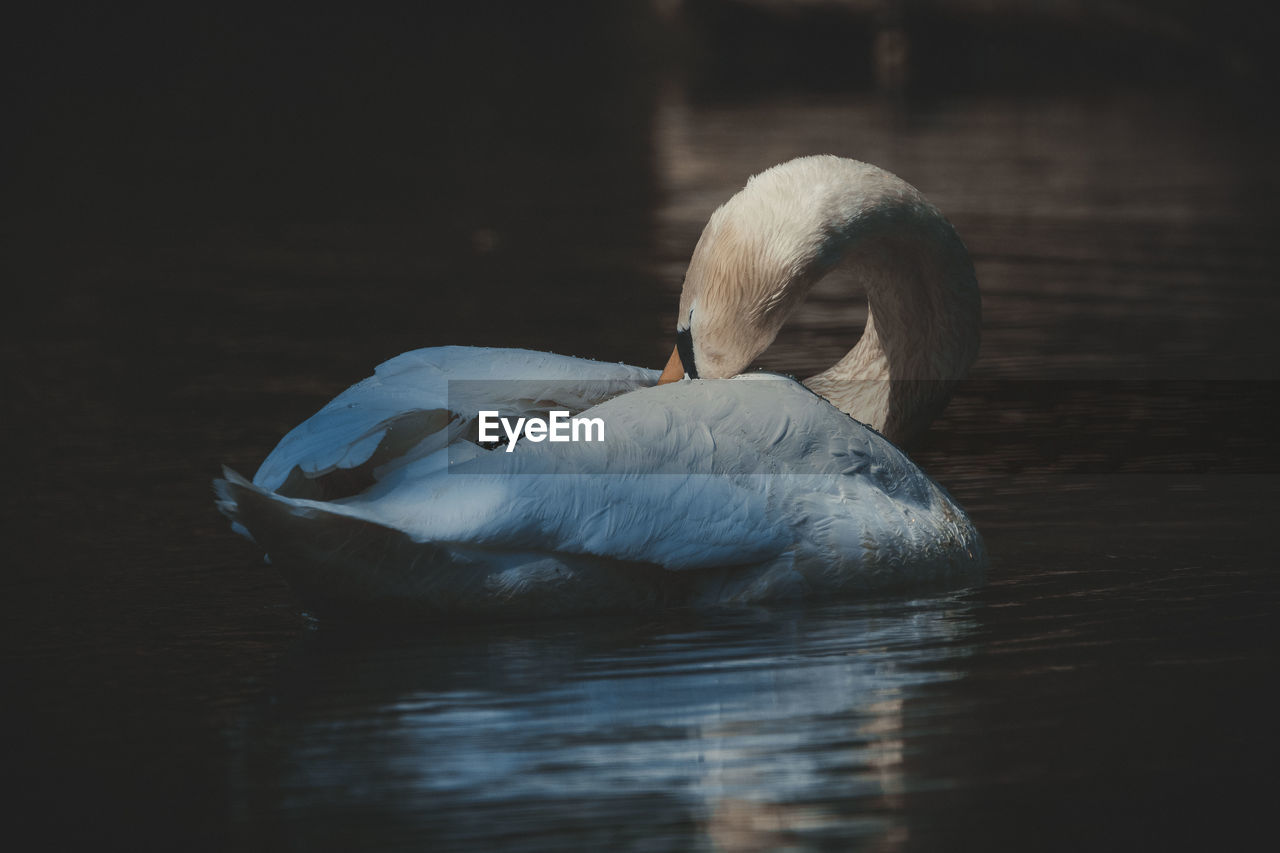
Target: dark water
[(204, 257)]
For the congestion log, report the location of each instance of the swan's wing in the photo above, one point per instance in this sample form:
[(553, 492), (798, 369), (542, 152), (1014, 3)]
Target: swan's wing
[(763, 487), (689, 475), (419, 402)]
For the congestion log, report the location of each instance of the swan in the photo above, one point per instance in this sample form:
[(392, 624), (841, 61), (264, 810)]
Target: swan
[(710, 486)]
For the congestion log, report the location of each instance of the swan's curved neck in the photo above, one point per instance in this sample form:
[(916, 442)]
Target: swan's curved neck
[(923, 320), (793, 224)]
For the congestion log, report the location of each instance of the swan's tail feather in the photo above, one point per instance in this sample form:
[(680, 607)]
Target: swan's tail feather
[(224, 490), (334, 561)]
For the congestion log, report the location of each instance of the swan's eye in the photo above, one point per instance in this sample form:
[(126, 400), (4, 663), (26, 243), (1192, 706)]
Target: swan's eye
[(684, 345)]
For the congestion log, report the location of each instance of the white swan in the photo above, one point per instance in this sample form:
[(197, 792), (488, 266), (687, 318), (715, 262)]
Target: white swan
[(703, 492)]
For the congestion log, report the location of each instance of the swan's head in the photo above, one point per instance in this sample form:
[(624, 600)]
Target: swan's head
[(787, 228), (758, 255)]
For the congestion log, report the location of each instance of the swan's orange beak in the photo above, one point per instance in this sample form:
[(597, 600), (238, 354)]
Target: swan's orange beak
[(674, 371)]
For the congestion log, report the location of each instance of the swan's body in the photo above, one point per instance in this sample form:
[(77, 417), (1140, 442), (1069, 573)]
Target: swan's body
[(703, 492)]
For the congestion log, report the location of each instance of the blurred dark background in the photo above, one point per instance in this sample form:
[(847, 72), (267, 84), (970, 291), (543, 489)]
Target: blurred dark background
[(440, 149), (216, 218)]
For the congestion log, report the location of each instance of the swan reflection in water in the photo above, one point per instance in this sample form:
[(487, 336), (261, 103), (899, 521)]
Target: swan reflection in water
[(744, 730)]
